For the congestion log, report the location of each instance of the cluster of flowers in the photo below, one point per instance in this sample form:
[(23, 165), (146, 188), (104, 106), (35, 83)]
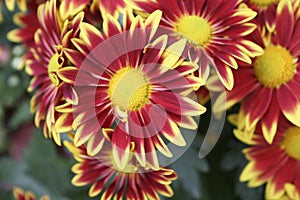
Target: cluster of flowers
[(268, 91), (118, 77)]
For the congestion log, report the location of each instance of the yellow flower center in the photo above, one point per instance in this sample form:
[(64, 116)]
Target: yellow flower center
[(263, 3), (129, 89), (195, 29), (54, 65), (291, 141), (275, 67)]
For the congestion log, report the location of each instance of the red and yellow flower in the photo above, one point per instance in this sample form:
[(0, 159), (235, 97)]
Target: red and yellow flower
[(28, 22), (277, 164), (215, 31), (10, 4), (47, 65), (20, 194), (105, 177), (140, 88), (272, 84), (266, 12)]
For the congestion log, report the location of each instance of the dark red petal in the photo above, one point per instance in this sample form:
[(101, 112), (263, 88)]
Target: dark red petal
[(255, 107), (284, 23), (121, 145)]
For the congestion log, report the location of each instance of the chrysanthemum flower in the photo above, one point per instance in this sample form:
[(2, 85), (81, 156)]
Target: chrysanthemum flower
[(10, 4), (28, 22), (141, 87), (277, 164), (133, 182), (47, 65), (266, 12), (215, 31), (20, 194), (272, 84)]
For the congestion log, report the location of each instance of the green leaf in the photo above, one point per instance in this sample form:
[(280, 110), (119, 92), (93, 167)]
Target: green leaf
[(43, 171), (8, 195), (43, 163), (231, 160), (10, 95), (3, 136), (246, 193), (13, 173), (188, 168), (20, 116), (235, 161)]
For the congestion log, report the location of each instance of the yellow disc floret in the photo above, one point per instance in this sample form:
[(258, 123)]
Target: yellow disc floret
[(129, 89), (275, 67), (195, 29), (291, 141)]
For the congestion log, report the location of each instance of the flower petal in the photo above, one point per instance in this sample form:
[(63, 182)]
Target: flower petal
[(68, 74), (178, 104), (270, 120), (225, 74), (284, 22), (254, 108), (120, 146), (70, 8), (95, 143), (289, 103)]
